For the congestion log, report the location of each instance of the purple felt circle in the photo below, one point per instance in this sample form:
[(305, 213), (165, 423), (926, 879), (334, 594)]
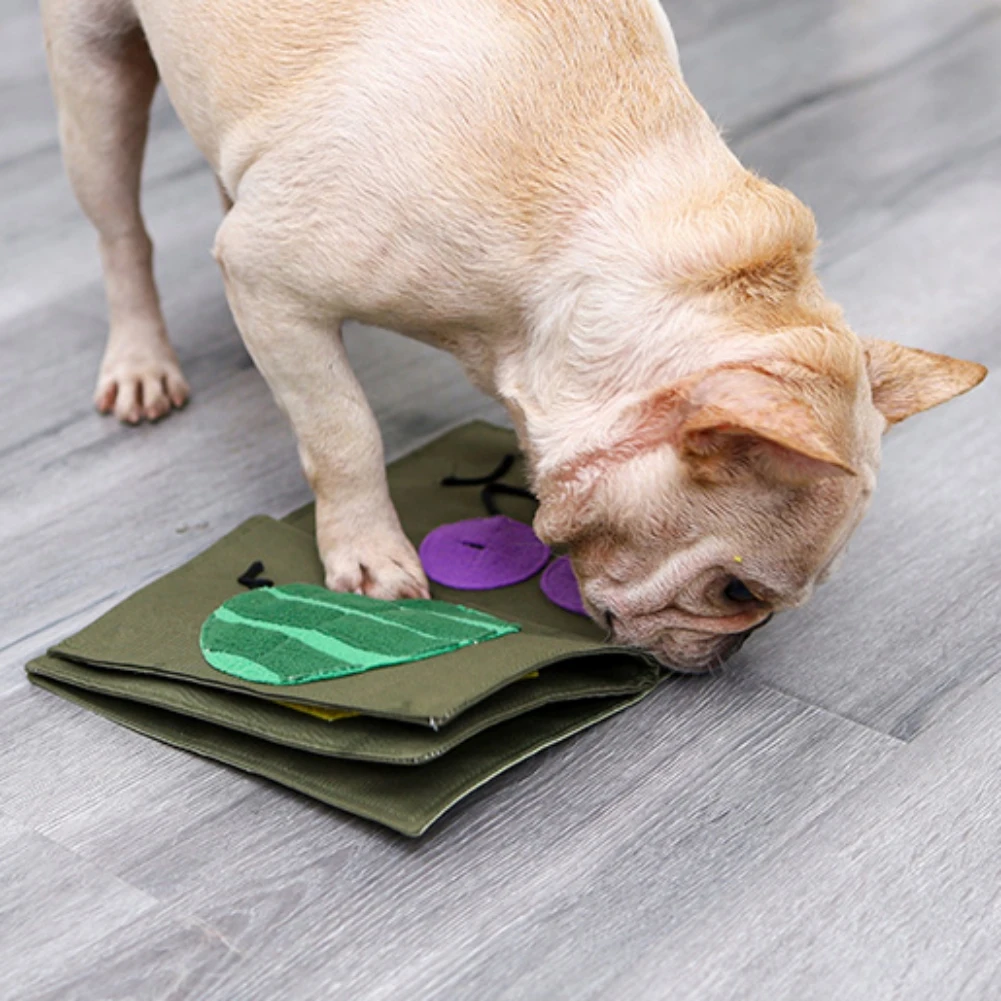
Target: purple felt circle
[(559, 584), (483, 553)]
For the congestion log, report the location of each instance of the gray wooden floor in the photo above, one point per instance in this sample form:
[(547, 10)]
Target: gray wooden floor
[(823, 821)]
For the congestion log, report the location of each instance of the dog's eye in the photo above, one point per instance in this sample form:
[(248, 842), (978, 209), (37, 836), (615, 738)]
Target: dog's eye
[(738, 591)]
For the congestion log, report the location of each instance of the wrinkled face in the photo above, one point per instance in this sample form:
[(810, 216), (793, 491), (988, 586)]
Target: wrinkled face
[(729, 496), (689, 574)]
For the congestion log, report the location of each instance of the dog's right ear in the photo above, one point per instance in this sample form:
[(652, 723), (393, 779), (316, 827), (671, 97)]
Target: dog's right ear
[(720, 423), (727, 421), (747, 412), (565, 496)]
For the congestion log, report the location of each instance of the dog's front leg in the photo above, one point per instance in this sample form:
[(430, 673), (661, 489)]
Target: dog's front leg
[(297, 346)]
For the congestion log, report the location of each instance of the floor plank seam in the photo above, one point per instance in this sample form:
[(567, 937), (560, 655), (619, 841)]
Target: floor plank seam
[(971, 155), (152, 899), (66, 618), (833, 714), (784, 112)]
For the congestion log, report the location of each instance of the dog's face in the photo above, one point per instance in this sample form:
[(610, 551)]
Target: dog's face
[(729, 496)]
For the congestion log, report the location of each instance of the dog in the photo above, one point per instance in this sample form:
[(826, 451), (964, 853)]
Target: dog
[(530, 185)]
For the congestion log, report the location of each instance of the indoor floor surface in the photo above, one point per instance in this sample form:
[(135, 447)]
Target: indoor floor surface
[(822, 820)]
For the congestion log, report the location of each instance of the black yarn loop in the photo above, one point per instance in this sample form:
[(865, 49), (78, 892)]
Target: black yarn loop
[(478, 481), (491, 485), (251, 577), (491, 490)]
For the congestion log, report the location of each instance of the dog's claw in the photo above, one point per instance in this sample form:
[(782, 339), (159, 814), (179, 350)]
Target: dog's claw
[(389, 570), (137, 386)]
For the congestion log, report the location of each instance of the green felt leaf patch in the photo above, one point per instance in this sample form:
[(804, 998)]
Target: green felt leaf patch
[(301, 632)]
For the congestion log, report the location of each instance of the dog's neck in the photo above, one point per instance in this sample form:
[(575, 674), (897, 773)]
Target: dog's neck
[(604, 327)]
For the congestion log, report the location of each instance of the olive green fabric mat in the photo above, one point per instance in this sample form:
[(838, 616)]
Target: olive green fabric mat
[(398, 744)]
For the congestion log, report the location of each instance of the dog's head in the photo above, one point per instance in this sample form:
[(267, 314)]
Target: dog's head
[(695, 509), (729, 495)]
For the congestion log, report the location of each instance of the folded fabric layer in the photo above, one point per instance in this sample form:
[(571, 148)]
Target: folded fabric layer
[(358, 737), (388, 710), (393, 796), (157, 631)]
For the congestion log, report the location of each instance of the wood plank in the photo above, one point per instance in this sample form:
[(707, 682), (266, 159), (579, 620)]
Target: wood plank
[(54, 907), (58, 761), (722, 840), (716, 776), (182, 957), (892, 894), (755, 66)]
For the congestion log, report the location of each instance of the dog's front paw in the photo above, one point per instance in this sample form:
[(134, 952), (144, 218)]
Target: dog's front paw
[(140, 381), (381, 565)]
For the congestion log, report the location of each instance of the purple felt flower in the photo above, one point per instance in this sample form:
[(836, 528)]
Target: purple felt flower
[(559, 584), (483, 553)]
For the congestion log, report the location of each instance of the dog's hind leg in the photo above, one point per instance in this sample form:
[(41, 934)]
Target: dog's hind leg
[(103, 78)]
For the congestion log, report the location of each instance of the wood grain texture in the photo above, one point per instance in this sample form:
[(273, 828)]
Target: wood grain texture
[(820, 821), (46, 891), (892, 894), (724, 773)]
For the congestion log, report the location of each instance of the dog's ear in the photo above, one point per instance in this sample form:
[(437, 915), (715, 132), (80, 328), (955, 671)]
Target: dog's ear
[(720, 423), (741, 415), (906, 381), (565, 501)]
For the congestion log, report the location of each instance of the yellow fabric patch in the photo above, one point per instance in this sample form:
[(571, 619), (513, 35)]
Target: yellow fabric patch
[(330, 715)]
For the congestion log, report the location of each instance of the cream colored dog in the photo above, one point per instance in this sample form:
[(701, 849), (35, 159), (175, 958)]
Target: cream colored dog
[(529, 185)]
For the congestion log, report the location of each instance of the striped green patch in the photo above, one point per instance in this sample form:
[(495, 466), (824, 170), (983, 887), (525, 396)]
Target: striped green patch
[(300, 632)]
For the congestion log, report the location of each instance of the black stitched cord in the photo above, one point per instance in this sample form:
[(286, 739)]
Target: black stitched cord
[(492, 489), (491, 486), (478, 481), (251, 578)]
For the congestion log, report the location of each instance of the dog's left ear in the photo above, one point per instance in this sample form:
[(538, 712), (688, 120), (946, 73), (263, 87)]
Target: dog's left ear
[(906, 381)]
